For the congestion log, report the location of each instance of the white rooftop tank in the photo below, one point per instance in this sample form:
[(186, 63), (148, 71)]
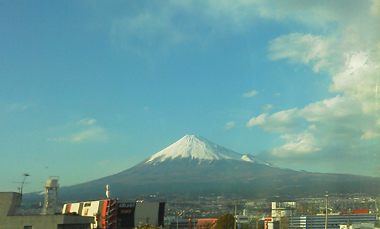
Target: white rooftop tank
[(51, 195)]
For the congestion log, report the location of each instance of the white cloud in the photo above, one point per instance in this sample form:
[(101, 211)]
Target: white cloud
[(338, 128), (359, 79), (300, 48), (343, 118), (332, 109), (249, 94), (296, 145), (370, 134), (282, 121), (257, 121)]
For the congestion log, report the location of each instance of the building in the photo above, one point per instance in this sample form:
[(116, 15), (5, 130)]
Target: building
[(242, 219), (333, 221), (283, 209), (282, 217), (137, 214), (104, 212), (9, 203), (111, 214), (206, 223)]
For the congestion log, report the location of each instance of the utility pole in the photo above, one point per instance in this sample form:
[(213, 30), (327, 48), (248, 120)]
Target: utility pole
[(236, 203), (175, 207), (257, 220), (291, 217), (327, 200)]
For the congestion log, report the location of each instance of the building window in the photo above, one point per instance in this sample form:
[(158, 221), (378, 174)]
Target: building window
[(87, 204)]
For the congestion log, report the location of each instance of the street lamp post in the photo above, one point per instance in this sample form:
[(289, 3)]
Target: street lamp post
[(327, 200)]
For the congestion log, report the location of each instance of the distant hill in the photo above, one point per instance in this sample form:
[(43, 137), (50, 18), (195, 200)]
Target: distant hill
[(194, 165)]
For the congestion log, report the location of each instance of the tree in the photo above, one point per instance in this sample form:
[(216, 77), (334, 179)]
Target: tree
[(225, 221), (245, 226)]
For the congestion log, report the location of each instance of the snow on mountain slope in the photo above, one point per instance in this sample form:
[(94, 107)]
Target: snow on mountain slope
[(196, 147)]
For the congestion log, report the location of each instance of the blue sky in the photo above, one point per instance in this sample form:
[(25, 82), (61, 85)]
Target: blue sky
[(89, 88)]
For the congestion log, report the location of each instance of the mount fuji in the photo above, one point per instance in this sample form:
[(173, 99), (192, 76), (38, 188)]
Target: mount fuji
[(198, 148), (194, 165)]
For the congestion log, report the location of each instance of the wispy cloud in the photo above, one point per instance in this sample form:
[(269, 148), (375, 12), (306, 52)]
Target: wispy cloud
[(86, 121), (162, 26), (229, 125), (154, 27), (6, 107), (84, 130), (92, 134), (250, 94), (268, 107), (301, 48)]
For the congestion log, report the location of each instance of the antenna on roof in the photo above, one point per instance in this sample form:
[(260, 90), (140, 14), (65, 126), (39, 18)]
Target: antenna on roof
[(23, 182)]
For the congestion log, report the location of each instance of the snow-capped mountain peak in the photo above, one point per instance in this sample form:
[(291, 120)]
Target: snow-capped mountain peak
[(197, 147)]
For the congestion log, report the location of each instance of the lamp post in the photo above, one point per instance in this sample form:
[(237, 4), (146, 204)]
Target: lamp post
[(327, 200)]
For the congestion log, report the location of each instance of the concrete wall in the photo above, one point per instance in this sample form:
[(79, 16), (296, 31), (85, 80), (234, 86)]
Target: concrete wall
[(9, 203), (46, 221)]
